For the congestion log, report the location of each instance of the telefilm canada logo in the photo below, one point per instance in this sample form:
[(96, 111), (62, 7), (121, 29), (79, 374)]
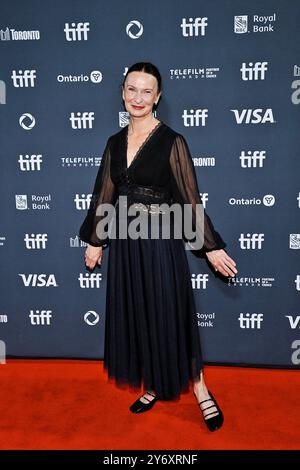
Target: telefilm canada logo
[(195, 73), (80, 162), (251, 281)]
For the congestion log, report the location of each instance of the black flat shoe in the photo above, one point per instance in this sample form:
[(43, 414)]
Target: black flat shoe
[(215, 422), (139, 407)]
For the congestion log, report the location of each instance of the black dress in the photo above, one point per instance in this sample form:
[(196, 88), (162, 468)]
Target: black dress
[(151, 330)]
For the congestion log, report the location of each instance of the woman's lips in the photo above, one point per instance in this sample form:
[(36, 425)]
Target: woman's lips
[(137, 107)]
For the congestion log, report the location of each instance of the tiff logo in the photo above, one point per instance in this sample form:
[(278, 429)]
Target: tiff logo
[(192, 26), (195, 117), (253, 320), (82, 202), (42, 317), (87, 281), (254, 71), (252, 159), (30, 162), (297, 282), (36, 241), (251, 242), (23, 78), (298, 199), (76, 32), (82, 120), (199, 281)]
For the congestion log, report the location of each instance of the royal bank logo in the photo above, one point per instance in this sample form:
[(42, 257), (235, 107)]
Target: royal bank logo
[(10, 34), (23, 78), (134, 29), (76, 31), (95, 77), (37, 202), (206, 320), (259, 24), (295, 241), (91, 318), (27, 121), (21, 201), (194, 26), (241, 24), (124, 118)]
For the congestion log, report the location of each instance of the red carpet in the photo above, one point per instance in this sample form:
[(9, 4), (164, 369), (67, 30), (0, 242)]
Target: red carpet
[(65, 404)]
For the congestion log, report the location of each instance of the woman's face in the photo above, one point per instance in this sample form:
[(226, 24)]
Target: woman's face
[(140, 93)]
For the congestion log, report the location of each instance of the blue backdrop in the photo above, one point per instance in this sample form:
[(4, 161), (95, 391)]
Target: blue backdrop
[(231, 86)]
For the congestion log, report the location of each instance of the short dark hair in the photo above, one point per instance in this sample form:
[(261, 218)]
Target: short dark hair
[(146, 67)]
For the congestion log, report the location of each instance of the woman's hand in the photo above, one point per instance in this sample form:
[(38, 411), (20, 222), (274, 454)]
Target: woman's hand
[(93, 255), (222, 262)]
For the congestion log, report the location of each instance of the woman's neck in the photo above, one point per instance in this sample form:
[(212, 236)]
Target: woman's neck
[(139, 126)]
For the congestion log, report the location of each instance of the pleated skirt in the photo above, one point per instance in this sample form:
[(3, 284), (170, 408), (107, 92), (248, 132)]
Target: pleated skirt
[(151, 329)]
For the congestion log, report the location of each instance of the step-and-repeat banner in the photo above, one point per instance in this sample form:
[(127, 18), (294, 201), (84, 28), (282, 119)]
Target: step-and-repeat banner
[(231, 86)]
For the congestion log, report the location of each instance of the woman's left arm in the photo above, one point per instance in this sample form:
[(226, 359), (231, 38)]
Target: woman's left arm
[(185, 190)]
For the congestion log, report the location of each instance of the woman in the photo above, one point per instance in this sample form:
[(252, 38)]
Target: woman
[(151, 332)]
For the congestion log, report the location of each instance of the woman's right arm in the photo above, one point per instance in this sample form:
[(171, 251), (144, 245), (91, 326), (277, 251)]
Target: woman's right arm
[(104, 192)]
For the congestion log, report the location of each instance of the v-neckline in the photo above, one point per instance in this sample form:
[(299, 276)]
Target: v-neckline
[(141, 147)]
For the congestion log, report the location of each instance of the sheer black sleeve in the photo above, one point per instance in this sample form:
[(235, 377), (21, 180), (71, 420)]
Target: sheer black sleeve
[(104, 192), (185, 191)]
